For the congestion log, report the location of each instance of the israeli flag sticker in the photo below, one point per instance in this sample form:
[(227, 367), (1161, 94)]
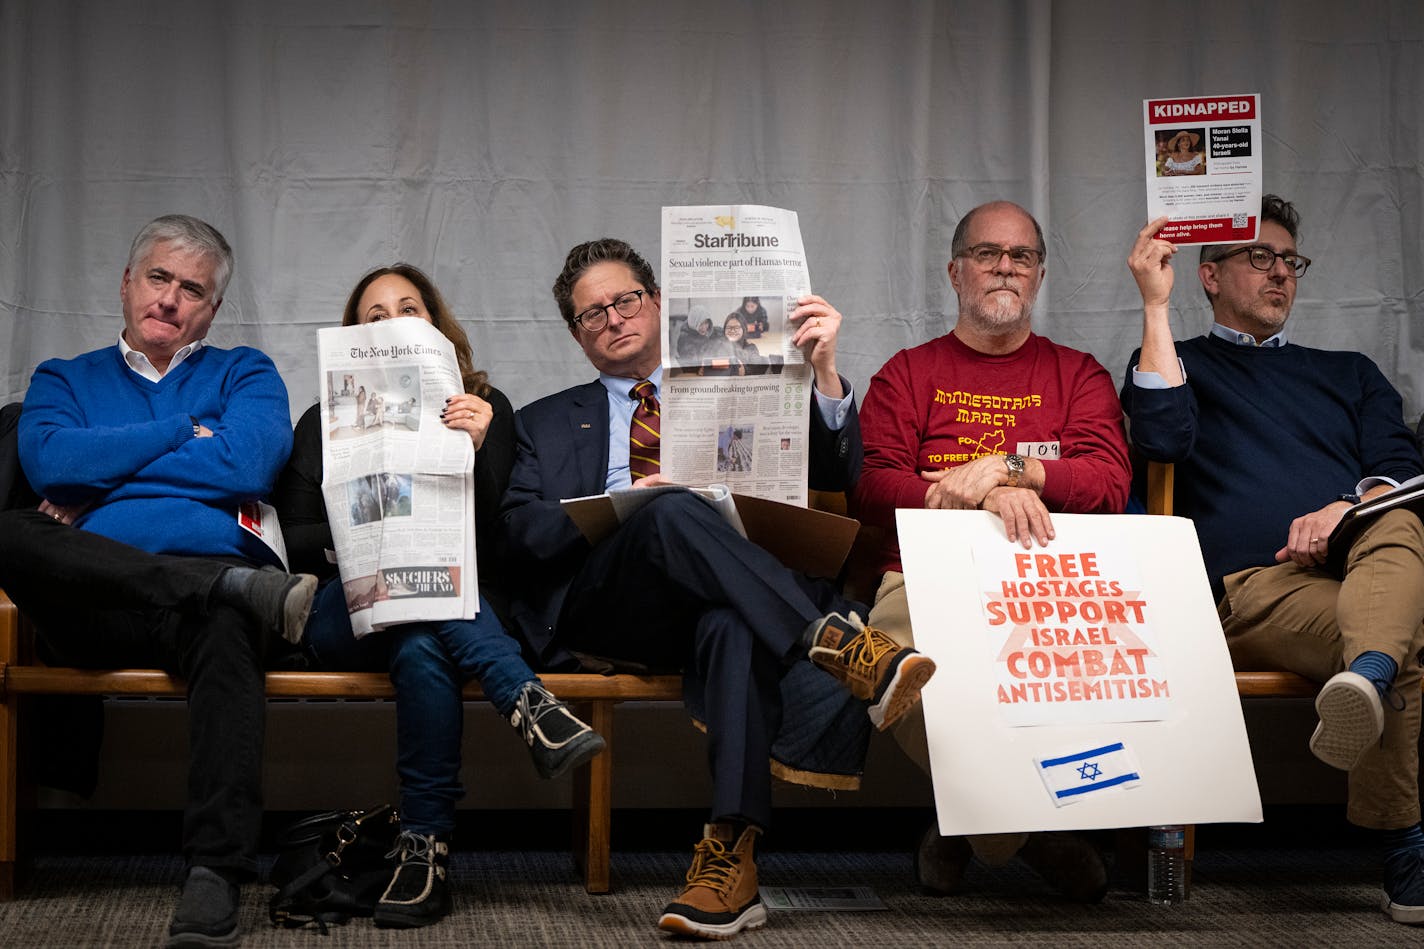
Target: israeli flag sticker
[(1082, 774)]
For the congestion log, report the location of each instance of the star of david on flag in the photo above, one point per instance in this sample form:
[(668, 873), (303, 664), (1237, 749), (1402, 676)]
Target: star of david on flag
[(1075, 776)]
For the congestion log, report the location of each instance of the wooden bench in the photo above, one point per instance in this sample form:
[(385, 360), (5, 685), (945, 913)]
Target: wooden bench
[(596, 695)]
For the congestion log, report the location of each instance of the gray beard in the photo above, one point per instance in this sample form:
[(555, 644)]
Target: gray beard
[(1001, 316)]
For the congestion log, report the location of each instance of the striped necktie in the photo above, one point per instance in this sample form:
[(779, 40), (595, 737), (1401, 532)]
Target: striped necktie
[(645, 434)]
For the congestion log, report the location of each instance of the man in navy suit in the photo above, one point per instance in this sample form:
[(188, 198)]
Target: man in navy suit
[(675, 585)]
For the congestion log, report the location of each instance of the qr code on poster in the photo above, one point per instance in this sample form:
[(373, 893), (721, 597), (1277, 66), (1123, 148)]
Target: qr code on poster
[(1238, 220)]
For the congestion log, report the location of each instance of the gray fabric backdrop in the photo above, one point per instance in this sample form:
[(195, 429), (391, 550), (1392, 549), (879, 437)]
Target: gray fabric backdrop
[(481, 140)]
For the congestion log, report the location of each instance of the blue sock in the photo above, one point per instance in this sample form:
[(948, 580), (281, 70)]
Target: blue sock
[(1399, 841), (1378, 668)]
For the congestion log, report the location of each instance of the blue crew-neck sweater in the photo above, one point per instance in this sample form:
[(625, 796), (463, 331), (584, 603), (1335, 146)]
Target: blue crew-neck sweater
[(94, 431), (1261, 436)]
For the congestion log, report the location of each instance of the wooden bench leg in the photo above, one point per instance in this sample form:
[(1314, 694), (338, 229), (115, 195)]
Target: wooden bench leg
[(9, 793), (9, 749), (593, 803)]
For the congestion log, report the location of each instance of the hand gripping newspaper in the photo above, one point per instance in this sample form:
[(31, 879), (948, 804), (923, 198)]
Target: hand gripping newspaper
[(398, 485), (735, 393)]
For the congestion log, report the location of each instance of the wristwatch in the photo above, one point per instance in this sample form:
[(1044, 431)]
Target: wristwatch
[(197, 425), (1015, 464), (1350, 498)]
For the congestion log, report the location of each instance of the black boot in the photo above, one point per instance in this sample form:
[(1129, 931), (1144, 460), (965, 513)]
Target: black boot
[(419, 892)]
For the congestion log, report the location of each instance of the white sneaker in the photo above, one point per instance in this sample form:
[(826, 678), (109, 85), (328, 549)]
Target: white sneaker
[(1351, 720)]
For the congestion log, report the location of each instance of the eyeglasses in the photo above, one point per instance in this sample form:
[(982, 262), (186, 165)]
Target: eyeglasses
[(989, 255), (1263, 258), (595, 318)]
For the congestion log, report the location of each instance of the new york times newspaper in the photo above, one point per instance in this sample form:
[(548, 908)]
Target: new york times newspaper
[(399, 485), (735, 393)]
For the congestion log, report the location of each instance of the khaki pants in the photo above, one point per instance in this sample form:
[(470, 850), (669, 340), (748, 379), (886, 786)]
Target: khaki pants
[(891, 615), (1287, 617)]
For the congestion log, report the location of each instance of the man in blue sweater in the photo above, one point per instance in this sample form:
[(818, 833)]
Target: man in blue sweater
[(145, 453), (1273, 442)]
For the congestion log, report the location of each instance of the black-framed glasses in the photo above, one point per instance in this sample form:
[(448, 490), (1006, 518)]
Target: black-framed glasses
[(595, 318), (989, 255), (1263, 258)]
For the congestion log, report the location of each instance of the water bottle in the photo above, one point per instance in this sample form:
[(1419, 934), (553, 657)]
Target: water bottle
[(1167, 864)]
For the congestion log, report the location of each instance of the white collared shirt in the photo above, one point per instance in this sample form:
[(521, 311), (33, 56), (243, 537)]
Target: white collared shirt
[(139, 363)]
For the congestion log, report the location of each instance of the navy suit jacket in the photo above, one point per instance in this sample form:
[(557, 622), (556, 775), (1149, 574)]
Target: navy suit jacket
[(562, 452)]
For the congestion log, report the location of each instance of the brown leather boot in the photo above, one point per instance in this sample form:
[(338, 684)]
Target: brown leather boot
[(871, 665), (721, 897)]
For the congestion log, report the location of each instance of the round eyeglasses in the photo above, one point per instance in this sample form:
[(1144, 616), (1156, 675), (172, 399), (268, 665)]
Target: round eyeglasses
[(1264, 258), (595, 318)]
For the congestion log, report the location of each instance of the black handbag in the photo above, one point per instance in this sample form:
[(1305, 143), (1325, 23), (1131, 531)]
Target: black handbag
[(333, 866)]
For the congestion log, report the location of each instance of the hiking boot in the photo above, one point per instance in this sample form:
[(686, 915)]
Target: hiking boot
[(207, 911), (1069, 863), (1351, 720), (419, 891), (557, 739), (940, 862), (721, 897), (873, 666), (1404, 886)]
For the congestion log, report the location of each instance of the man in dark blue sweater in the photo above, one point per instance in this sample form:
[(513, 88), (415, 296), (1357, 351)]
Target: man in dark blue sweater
[(1273, 442), (141, 554)]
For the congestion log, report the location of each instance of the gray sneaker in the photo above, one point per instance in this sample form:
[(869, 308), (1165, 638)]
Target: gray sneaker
[(207, 912), (558, 741), (278, 600)]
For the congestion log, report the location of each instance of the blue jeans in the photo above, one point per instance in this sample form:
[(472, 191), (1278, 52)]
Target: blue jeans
[(429, 663)]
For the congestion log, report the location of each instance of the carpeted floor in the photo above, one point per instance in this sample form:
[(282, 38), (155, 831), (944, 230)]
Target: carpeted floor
[(1241, 897)]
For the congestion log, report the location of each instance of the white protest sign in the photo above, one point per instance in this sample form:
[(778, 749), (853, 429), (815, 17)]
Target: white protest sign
[(1204, 167), (1083, 684)]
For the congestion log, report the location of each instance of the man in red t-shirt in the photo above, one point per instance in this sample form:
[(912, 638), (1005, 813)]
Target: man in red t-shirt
[(994, 417)]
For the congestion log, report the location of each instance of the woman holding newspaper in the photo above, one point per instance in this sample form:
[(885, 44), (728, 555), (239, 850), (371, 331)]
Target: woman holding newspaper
[(429, 662)]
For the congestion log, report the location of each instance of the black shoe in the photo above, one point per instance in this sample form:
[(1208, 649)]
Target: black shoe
[(940, 862), (1069, 863), (419, 891), (207, 911), (557, 739), (1404, 887)]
